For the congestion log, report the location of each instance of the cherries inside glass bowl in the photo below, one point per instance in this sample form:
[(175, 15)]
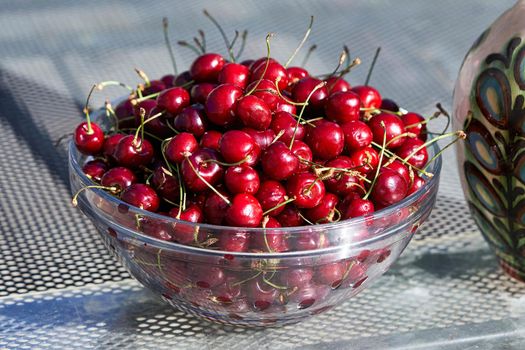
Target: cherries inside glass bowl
[(325, 265)]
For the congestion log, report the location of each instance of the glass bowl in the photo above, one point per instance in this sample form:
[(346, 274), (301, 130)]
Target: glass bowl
[(328, 263)]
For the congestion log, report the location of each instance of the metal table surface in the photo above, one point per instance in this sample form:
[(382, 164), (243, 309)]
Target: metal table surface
[(60, 289)]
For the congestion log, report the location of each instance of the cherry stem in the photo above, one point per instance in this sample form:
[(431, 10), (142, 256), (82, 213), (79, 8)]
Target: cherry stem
[(244, 36), (230, 48), (305, 219), (380, 163), (143, 76), (145, 132), (144, 122), (445, 113), (264, 222), (374, 60), (74, 200), (248, 279), (206, 182), (182, 189), (268, 37), (355, 62), (225, 164), (395, 156), (317, 87), (111, 113), (144, 98), (199, 45), (223, 34), (282, 204), (305, 37), (397, 137), (342, 59), (104, 84), (168, 44), (271, 283), (276, 83), (308, 54), (378, 110), (460, 135), (203, 39), (184, 43), (86, 110)]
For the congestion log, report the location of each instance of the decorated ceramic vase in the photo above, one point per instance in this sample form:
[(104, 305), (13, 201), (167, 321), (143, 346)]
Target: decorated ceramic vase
[(489, 104)]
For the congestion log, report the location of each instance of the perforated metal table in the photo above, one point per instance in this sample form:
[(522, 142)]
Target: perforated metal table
[(60, 289)]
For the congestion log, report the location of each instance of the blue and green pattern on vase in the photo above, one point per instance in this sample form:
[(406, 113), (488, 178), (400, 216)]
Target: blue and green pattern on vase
[(494, 164)]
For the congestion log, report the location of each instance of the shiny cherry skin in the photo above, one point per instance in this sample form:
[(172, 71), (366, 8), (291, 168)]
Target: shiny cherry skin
[(260, 61), (415, 124), (142, 196), (389, 105), (290, 216), (324, 212), (326, 139), (133, 153), (390, 188), (399, 168), (418, 159), (215, 208), (94, 169), (206, 68), (191, 119), (390, 124), (343, 106), (211, 139), (357, 135), (303, 153), (270, 240), (330, 274), (260, 294), (173, 100), (335, 84), (417, 183), (220, 104), (237, 146), (234, 73), (357, 207), (304, 87), (89, 141), (180, 146), (286, 123), (262, 138), (253, 112), (285, 106), (147, 105), (203, 162), (279, 162), (118, 177), (306, 188), (266, 91), (199, 92), (110, 144), (241, 179), (234, 241), (271, 193), (341, 182), (369, 96), (166, 184), (156, 125), (244, 211), (365, 159), (274, 72), (295, 74)]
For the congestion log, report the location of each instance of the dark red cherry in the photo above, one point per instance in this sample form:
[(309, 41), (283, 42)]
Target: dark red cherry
[(306, 188), (203, 163), (341, 182), (391, 125), (94, 169), (142, 196), (369, 97), (296, 277), (183, 78), (260, 294), (153, 87), (357, 207), (241, 179), (260, 61), (166, 184), (191, 119), (133, 153), (343, 106), (184, 234), (253, 112), (211, 139), (295, 74), (330, 274), (119, 177), (215, 208), (357, 135), (110, 144), (206, 68), (173, 100), (335, 84), (417, 183), (326, 139), (180, 146), (310, 240), (125, 114), (274, 73), (290, 216), (415, 124), (270, 195), (389, 188), (244, 211), (262, 138), (304, 87), (279, 162), (155, 229), (234, 241), (324, 212), (365, 159), (89, 140), (220, 104), (199, 92), (208, 277), (286, 123), (270, 240), (156, 125), (303, 153), (237, 146), (266, 91), (414, 149), (234, 73), (389, 105), (168, 80), (285, 106), (399, 168)]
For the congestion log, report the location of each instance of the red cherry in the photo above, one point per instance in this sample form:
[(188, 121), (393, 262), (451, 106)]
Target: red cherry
[(255, 64), (260, 294), (206, 68), (418, 159), (392, 125), (168, 80), (399, 168), (414, 123), (286, 122), (155, 229), (309, 295), (166, 184), (290, 216), (279, 162), (365, 159), (324, 211), (296, 277), (357, 207), (119, 177), (330, 274), (241, 179), (173, 100), (153, 87), (208, 277), (125, 114), (142, 196), (253, 112), (157, 125), (357, 135), (342, 107), (180, 146), (133, 153), (203, 163), (191, 119), (284, 106), (211, 139), (311, 240), (215, 208), (307, 190), (237, 146), (273, 72), (227, 292), (270, 240), (147, 105), (271, 193), (295, 74), (303, 153), (326, 139), (369, 97), (199, 92), (304, 87), (262, 138), (234, 73), (390, 188), (89, 141), (234, 241), (110, 144), (343, 183), (266, 91), (183, 79), (417, 183), (335, 84), (244, 211), (220, 104), (94, 169)]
